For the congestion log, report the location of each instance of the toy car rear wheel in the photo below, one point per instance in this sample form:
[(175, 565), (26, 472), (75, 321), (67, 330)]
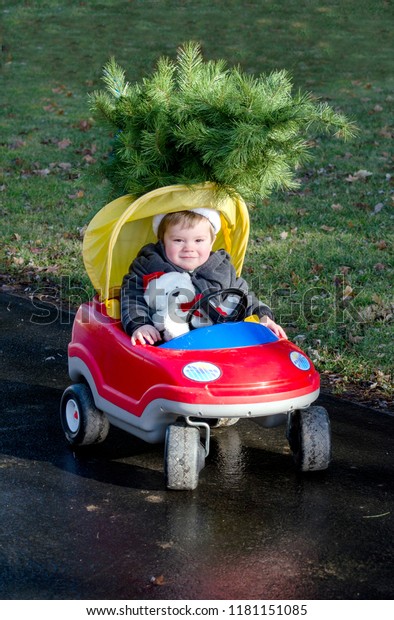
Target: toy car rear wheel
[(309, 436), (83, 424), (184, 457)]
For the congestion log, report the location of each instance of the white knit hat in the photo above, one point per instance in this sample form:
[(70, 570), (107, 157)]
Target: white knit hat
[(212, 215)]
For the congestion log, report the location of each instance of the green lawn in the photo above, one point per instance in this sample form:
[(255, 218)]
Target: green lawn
[(321, 256)]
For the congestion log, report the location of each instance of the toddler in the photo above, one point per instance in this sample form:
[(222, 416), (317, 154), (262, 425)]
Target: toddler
[(185, 241)]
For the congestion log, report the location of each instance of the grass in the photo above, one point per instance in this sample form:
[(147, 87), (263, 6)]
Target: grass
[(322, 256)]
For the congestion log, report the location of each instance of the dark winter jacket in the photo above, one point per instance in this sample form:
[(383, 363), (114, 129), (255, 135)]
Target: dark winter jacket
[(215, 274)]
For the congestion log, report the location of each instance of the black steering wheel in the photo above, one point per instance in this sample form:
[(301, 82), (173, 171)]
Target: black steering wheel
[(208, 304)]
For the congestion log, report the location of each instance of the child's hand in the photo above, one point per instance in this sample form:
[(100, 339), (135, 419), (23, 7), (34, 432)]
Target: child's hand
[(274, 327), (145, 334)]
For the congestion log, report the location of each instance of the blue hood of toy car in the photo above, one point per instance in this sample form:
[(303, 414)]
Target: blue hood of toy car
[(223, 336)]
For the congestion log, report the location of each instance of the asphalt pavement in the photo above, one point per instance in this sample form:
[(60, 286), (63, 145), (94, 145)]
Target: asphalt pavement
[(99, 524)]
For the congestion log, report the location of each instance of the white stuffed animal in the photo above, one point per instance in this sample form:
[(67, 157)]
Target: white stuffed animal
[(170, 296)]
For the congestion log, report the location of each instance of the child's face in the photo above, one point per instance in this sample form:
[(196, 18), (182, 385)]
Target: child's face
[(188, 248)]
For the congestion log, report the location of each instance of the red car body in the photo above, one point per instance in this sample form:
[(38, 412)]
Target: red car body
[(144, 388)]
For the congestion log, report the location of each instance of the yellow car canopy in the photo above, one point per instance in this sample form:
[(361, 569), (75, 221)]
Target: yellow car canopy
[(119, 230)]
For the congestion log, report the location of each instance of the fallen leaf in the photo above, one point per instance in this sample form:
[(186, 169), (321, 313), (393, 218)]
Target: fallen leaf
[(84, 125), (42, 173), (165, 545), (88, 150), (284, 234), (79, 194), (344, 269), (63, 144), (381, 245), (360, 175), (337, 207), (17, 144), (81, 230), (158, 581), (295, 278), (386, 132), (154, 499), (316, 268), (327, 228), (379, 267), (51, 269), (313, 354), (354, 339), (380, 310), (348, 292), (377, 208), (377, 299)]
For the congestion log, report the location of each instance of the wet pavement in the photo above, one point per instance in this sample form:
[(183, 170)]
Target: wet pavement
[(100, 525)]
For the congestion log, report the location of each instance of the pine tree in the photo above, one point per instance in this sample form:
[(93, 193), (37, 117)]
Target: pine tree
[(193, 121)]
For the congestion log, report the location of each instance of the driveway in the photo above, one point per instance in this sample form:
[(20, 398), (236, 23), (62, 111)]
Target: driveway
[(99, 524)]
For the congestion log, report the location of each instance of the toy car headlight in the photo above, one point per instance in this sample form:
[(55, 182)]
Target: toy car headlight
[(202, 372), (300, 360)]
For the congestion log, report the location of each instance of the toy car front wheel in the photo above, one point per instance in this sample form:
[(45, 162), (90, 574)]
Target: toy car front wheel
[(309, 436), (82, 422), (184, 457)]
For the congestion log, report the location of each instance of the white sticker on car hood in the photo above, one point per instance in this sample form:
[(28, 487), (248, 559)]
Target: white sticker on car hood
[(300, 360), (202, 371)]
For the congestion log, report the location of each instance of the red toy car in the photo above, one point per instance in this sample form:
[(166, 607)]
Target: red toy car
[(177, 391)]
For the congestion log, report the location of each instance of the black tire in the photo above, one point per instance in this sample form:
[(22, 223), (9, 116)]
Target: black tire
[(309, 436), (184, 457), (83, 424)]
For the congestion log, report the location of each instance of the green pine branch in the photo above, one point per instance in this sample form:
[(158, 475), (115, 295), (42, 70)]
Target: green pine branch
[(193, 121)]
